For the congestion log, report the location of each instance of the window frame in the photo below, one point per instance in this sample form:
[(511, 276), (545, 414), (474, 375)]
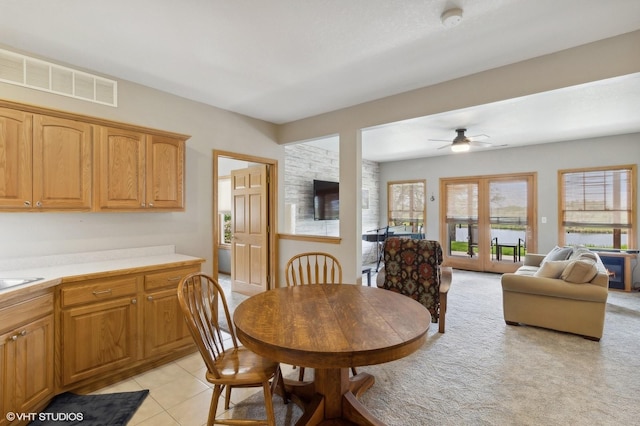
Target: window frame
[(632, 229)]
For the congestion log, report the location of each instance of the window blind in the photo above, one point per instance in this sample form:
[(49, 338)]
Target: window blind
[(597, 198), (462, 202), (508, 202), (406, 201)]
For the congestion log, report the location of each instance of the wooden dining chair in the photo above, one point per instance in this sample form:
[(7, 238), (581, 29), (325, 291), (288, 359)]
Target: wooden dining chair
[(313, 268), (202, 301)]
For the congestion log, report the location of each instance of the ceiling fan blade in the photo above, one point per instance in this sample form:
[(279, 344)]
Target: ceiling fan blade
[(479, 143), (439, 140), (445, 146), (480, 136)]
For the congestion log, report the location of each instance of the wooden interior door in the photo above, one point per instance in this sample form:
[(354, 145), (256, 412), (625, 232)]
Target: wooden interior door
[(249, 218)]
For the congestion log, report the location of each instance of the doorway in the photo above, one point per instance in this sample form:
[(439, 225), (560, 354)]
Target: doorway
[(489, 221), (252, 216)]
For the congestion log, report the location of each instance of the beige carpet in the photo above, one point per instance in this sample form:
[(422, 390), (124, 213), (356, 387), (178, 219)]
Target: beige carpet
[(483, 372)]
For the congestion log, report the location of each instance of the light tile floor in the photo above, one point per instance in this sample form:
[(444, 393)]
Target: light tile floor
[(179, 394)]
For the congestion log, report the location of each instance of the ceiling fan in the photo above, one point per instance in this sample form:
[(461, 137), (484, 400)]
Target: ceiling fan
[(462, 143)]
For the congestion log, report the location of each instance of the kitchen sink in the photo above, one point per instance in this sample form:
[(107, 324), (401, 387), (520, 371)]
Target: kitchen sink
[(12, 282)]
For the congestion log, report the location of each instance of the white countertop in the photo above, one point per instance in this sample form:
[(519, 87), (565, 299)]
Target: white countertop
[(53, 268)]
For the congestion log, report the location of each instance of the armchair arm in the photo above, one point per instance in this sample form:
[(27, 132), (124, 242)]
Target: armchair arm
[(380, 278), (446, 275), (533, 259)]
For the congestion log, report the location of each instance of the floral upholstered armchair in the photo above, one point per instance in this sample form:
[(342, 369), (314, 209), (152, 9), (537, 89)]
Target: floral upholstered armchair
[(413, 268)]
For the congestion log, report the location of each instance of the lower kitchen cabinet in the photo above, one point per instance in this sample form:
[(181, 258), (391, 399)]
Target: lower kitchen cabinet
[(116, 325), (26, 355), (164, 326), (98, 338)]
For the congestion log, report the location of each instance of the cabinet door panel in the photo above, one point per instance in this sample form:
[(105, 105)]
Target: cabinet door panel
[(15, 159), (28, 355), (164, 325), (165, 174), (98, 338), (4, 383), (121, 169), (62, 163)]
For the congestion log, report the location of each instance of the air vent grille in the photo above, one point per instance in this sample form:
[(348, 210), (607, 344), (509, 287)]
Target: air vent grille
[(36, 74)]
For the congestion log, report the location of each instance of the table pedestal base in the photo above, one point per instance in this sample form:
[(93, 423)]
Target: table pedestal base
[(332, 398)]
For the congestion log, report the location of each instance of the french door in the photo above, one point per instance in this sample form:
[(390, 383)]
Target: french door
[(489, 221)]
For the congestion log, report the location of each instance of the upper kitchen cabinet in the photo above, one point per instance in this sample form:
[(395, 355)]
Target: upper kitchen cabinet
[(139, 170), (45, 162), (62, 167), (60, 161), (15, 159), (165, 172)]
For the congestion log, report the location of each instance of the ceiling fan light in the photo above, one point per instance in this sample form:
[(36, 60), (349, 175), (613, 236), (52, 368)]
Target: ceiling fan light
[(460, 147)]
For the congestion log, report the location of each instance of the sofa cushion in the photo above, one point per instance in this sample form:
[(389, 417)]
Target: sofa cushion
[(527, 270), (552, 269), (558, 253), (580, 271)]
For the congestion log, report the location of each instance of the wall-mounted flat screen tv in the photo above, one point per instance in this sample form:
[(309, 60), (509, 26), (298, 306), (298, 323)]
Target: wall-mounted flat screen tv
[(326, 202)]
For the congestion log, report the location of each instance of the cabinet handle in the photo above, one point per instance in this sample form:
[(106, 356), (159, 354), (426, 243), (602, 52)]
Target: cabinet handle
[(27, 203), (38, 203), (150, 204), (15, 336), (143, 205), (101, 292), (174, 278), (134, 301), (149, 298)]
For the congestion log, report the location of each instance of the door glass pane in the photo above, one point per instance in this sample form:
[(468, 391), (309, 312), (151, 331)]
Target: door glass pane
[(462, 219), (508, 219)]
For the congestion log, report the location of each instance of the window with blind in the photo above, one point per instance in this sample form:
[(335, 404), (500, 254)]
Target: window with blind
[(406, 204), (597, 207)]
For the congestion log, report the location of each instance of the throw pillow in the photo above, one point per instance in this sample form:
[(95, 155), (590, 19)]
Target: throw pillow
[(581, 251), (551, 269), (558, 253), (580, 271), (588, 255)]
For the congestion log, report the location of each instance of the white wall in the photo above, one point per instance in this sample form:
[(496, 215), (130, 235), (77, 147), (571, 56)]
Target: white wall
[(545, 159), (30, 234), (615, 57)]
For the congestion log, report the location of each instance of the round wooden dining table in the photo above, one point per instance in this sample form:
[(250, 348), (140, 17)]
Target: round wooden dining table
[(331, 328)]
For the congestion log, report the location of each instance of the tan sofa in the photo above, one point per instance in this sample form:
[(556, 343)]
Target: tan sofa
[(567, 295)]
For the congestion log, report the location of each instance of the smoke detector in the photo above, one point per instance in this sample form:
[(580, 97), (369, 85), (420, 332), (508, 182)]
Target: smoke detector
[(452, 17)]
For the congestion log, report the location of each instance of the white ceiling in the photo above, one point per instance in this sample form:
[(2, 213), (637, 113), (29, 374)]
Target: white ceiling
[(283, 60)]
